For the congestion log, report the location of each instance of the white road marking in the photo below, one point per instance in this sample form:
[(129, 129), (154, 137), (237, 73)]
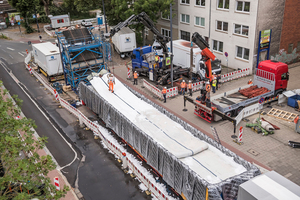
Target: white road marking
[(11, 56), (3, 50), (21, 54), (24, 52), (21, 41), (18, 82), (10, 49)]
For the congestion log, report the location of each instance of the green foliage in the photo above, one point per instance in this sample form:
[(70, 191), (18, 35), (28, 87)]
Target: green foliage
[(28, 28), (21, 176), (41, 19), (25, 7), (4, 37)]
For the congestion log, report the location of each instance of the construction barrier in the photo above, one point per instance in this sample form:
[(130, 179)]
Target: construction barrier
[(240, 135), (235, 75), (171, 92), (116, 148), (247, 111), (56, 183), (197, 86)]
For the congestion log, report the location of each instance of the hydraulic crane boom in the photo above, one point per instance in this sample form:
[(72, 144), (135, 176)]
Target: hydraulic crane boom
[(145, 19), (207, 55)]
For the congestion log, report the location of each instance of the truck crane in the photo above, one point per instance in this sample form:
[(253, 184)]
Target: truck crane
[(147, 22), (207, 55)]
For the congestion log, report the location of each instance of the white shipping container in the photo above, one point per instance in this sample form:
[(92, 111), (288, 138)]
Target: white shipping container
[(47, 57), (60, 21), (182, 53), (124, 41)]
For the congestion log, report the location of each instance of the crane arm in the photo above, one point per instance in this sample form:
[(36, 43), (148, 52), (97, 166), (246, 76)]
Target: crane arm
[(147, 22), (207, 55)]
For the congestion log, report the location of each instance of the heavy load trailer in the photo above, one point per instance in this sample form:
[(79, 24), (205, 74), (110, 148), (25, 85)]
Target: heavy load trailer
[(271, 75)]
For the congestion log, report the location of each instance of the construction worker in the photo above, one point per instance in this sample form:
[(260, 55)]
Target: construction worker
[(218, 81), (135, 77), (190, 87), (198, 98), (214, 84), (208, 88), (250, 82), (164, 92), (111, 82), (183, 86)]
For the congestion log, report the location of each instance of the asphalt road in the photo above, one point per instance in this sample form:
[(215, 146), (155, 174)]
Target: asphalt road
[(99, 174)]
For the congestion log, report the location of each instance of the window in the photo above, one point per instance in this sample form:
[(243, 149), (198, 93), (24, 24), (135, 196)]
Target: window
[(223, 4), (185, 35), (200, 2), (166, 32), (290, 49), (185, 1), (222, 26), (284, 76), (298, 46), (185, 18), (217, 46), (60, 21), (242, 53), (243, 6), (199, 21), (241, 29), (165, 16)]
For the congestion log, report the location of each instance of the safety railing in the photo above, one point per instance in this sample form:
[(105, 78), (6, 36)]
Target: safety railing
[(171, 92), (128, 161)]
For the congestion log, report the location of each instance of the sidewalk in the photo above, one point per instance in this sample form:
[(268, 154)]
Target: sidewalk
[(70, 195)]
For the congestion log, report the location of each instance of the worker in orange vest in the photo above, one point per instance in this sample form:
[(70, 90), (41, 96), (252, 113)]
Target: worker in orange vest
[(164, 92), (250, 82), (190, 87), (135, 76), (208, 88), (183, 86), (111, 82)]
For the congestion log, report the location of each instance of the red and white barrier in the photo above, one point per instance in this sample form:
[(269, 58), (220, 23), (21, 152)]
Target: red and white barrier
[(171, 92), (56, 95), (128, 73), (56, 183), (240, 135), (235, 75)]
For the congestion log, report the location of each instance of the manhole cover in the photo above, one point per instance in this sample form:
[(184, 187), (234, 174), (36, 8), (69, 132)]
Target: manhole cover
[(253, 152)]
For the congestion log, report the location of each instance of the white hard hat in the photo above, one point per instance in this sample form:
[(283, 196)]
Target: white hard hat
[(190, 81), (250, 79), (183, 80), (214, 72), (134, 71), (215, 78), (165, 87)]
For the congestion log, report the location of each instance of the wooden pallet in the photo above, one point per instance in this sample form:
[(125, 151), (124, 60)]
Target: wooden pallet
[(281, 114)]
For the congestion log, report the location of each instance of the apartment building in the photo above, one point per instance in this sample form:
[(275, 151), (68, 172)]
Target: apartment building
[(231, 26)]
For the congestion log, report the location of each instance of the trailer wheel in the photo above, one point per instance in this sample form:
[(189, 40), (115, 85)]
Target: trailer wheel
[(278, 92), (228, 114), (237, 111)]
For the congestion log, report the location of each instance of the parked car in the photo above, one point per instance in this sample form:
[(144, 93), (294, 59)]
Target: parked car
[(86, 23)]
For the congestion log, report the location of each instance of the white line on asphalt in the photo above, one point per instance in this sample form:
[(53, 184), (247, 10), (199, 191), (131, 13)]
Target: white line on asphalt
[(21, 41), (11, 56), (24, 52), (3, 50), (10, 49), (45, 117), (21, 54)]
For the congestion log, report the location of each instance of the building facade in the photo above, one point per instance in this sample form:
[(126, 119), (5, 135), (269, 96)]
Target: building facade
[(232, 26)]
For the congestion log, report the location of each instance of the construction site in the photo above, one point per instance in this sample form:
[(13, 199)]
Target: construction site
[(192, 149)]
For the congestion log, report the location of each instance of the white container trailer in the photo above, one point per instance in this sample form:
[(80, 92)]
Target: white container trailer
[(47, 57), (124, 42), (60, 21)]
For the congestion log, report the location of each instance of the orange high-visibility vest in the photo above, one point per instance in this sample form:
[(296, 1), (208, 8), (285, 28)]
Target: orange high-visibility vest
[(207, 87), (190, 85), (183, 85), (135, 75), (164, 91)]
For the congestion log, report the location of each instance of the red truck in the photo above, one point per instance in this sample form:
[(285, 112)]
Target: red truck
[(271, 75)]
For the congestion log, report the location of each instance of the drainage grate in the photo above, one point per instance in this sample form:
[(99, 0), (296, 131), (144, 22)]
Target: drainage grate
[(255, 153)]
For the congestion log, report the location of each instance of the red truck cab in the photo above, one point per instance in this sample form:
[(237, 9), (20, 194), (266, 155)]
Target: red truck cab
[(280, 70)]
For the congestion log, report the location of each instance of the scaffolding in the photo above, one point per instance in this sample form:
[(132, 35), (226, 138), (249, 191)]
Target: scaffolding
[(82, 53)]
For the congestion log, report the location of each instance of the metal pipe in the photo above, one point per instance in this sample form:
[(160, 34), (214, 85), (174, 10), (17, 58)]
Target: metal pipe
[(104, 16), (171, 44)]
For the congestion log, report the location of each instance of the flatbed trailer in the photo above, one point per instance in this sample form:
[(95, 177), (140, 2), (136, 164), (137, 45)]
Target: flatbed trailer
[(271, 75)]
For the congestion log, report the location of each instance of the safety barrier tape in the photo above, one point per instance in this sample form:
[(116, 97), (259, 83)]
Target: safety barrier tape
[(235, 75), (151, 185)]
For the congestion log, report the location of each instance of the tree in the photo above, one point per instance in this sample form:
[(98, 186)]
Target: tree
[(47, 3), (22, 177)]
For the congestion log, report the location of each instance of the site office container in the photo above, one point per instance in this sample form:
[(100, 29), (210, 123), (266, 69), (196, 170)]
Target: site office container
[(47, 57)]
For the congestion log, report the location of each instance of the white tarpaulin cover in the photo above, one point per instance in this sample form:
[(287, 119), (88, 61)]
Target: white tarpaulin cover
[(188, 160)]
